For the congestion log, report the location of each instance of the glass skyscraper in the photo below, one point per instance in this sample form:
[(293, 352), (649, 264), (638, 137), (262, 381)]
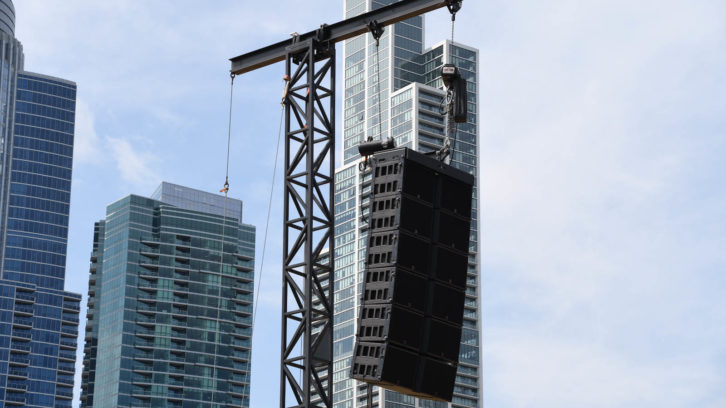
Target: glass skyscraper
[(409, 92), (38, 319), (170, 303)]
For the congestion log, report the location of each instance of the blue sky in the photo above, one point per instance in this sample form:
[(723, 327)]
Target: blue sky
[(603, 137)]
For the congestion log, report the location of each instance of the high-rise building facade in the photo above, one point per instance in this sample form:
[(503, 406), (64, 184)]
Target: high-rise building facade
[(170, 303), (409, 94), (38, 319)]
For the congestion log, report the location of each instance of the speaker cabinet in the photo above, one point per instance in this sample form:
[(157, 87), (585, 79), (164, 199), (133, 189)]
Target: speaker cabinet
[(412, 305)]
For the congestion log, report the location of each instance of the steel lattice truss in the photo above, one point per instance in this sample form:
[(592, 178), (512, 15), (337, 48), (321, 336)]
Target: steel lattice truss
[(307, 319)]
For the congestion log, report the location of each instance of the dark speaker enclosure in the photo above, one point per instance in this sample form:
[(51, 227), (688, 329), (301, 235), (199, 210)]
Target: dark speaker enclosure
[(412, 304)]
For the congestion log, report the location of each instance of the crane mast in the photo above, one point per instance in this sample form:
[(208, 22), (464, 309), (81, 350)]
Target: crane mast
[(308, 245)]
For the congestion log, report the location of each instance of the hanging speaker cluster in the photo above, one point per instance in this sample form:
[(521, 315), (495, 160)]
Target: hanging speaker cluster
[(409, 326)]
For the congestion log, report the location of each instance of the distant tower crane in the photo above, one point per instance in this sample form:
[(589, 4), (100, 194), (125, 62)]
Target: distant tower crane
[(309, 103)]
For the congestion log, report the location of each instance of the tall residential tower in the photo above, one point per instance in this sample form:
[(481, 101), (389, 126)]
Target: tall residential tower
[(38, 319), (170, 303), (402, 78)]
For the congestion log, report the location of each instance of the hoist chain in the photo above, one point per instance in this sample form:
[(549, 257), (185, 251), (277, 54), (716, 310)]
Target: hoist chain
[(445, 153)]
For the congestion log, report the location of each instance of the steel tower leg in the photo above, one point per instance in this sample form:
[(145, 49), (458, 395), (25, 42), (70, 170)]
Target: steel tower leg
[(307, 299)]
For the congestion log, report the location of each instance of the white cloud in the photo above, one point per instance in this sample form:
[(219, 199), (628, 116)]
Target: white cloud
[(123, 165), (134, 166), (87, 144)]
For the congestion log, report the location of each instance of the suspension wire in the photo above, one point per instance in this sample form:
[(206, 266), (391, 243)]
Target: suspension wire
[(229, 133), (454, 126), (380, 122), (225, 190), (267, 226), (378, 77), (377, 32), (451, 51)]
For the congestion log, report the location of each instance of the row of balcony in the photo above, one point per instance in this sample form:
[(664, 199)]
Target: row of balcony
[(70, 331), (20, 347), (21, 360), (24, 297), (14, 399), (64, 380), (22, 321), (150, 289), (65, 393), (21, 334), (148, 368), (17, 373), (68, 343), (148, 380), (181, 271), (144, 393), (24, 309), (182, 245), (67, 355), (73, 318)]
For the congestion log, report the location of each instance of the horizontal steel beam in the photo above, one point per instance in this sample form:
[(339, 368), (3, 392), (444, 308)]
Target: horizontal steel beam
[(340, 31)]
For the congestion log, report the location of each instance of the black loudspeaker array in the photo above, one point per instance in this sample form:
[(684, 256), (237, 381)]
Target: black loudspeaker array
[(409, 326)]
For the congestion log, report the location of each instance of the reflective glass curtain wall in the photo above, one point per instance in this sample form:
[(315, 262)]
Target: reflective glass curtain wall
[(11, 53), (170, 304), (36, 212), (39, 323), (38, 319)]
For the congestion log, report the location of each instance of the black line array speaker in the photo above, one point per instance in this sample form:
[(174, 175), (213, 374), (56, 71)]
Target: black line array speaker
[(412, 306)]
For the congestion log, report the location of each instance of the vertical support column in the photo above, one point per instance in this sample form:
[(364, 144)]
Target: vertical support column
[(306, 373)]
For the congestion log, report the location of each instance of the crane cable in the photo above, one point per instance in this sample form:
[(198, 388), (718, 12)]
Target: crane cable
[(225, 190), (378, 84), (377, 31), (453, 23)]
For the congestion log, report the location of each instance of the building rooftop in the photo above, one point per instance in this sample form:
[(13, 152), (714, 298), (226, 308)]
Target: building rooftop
[(197, 200)]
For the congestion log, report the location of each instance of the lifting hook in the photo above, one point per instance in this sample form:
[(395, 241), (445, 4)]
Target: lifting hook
[(454, 6), (376, 29)]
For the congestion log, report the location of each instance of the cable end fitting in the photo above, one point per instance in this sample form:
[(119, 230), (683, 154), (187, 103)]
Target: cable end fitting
[(377, 30)]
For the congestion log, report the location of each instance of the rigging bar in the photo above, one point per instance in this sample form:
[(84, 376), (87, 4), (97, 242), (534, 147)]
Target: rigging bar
[(339, 31)]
